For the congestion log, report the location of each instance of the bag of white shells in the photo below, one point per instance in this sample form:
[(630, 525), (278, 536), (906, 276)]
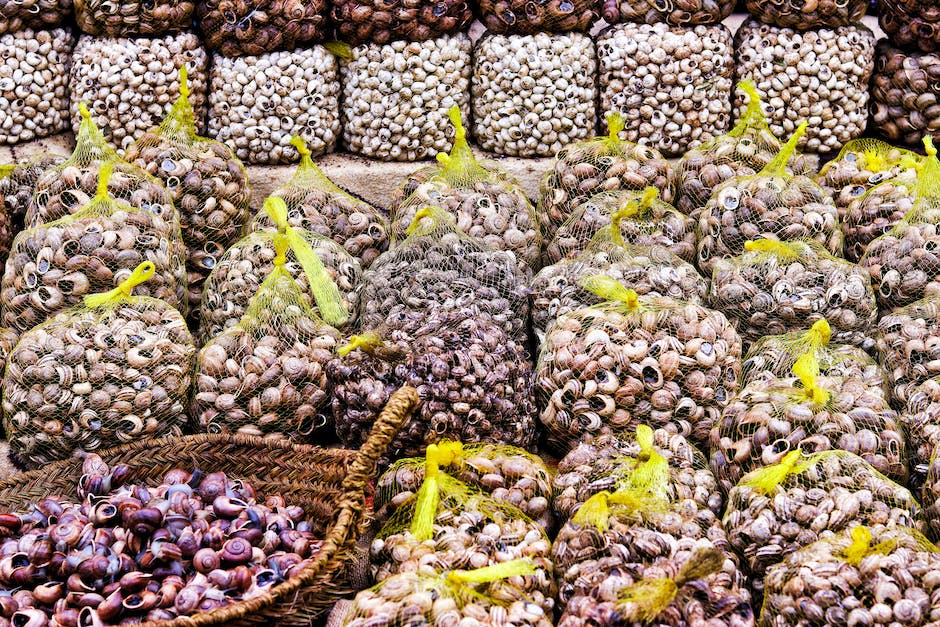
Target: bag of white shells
[(743, 151), (475, 382), (208, 183), (641, 218), (437, 267), (17, 182), (771, 204), (485, 202), (921, 421), (776, 510), (908, 343), (614, 552), (53, 266), (450, 525), (317, 204), (608, 462), (648, 270), (904, 262), (505, 472), (871, 183), (240, 271), (602, 164), (116, 368), (266, 375), (779, 287), (449, 598), (768, 419), (631, 360), (863, 576)]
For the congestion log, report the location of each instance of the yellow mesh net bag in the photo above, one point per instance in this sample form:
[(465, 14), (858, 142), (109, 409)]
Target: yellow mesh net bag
[(631, 360), (780, 287), (115, 368), (53, 266), (908, 343), (317, 204), (17, 183)]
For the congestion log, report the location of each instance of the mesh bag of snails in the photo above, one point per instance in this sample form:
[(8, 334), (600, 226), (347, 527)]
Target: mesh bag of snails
[(648, 270), (486, 203), (33, 14), (630, 360), (921, 421), (53, 266), (804, 16), (904, 262), (768, 419), (120, 18), (904, 104), (470, 598), (608, 461), (449, 525), (771, 204), (863, 576), (908, 343), (520, 17), (242, 269), (372, 21), (436, 266), (602, 164), (475, 382), (778, 509), (115, 368), (66, 188), (911, 24), (682, 13), (238, 28), (779, 287), (208, 183), (17, 184), (266, 376), (317, 204), (505, 472), (641, 217)]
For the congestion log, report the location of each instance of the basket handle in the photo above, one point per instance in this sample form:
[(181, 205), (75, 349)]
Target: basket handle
[(393, 416)]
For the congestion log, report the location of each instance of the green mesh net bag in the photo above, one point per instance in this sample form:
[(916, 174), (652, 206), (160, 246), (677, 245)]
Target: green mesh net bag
[(778, 509), (266, 376), (69, 186), (908, 343), (485, 202), (631, 360), (771, 204), (208, 183), (114, 369), (329, 278), (769, 419), (317, 204), (17, 183), (53, 266), (904, 262), (505, 472), (602, 164), (641, 218), (779, 287)]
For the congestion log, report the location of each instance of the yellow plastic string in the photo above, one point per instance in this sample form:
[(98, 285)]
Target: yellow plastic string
[(753, 114), (460, 167), (309, 173), (449, 451), (339, 49), (608, 289), (861, 546), (488, 574), (782, 249), (90, 144), (765, 480), (806, 369), (365, 341), (651, 475), (7, 169), (615, 124), (429, 495), (437, 216), (645, 600), (596, 510), (928, 177), (280, 249), (142, 273), (104, 178), (630, 208), (324, 290), (778, 164), (819, 334)]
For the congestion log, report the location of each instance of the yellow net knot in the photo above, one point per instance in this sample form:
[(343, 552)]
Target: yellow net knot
[(436, 214), (365, 341), (651, 475), (594, 512), (429, 497), (184, 81), (874, 160), (750, 90), (609, 289), (766, 480), (301, 146), (782, 249), (615, 124), (645, 600), (860, 547), (447, 452), (281, 246), (339, 49), (488, 574), (104, 179), (634, 205), (929, 147), (806, 369), (779, 163), (142, 273), (84, 112), (454, 114), (820, 333), (644, 437)]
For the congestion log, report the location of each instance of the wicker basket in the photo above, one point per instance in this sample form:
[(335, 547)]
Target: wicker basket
[(330, 484)]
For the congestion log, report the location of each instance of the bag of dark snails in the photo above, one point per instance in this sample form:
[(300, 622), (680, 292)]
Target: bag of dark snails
[(772, 204), (237, 28), (373, 21), (912, 24), (34, 14), (864, 576), (437, 267), (930, 493), (53, 266), (17, 183), (110, 18), (450, 525), (115, 368), (908, 343), (266, 375), (641, 218), (631, 360), (904, 262), (485, 202), (780, 287), (649, 271), (449, 598), (682, 13), (475, 382), (768, 419), (317, 204), (776, 510), (505, 472), (921, 421), (208, 183), (602, 164), (520, 17), (328, 277), (608, 462), (803, 16), (65, 188)]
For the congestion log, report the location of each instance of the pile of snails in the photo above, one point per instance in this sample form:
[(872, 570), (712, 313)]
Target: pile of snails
[(378, 21), (238, 28), (921, 420), (908, 343), (17, 183), (904, 105), (104, 18)]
